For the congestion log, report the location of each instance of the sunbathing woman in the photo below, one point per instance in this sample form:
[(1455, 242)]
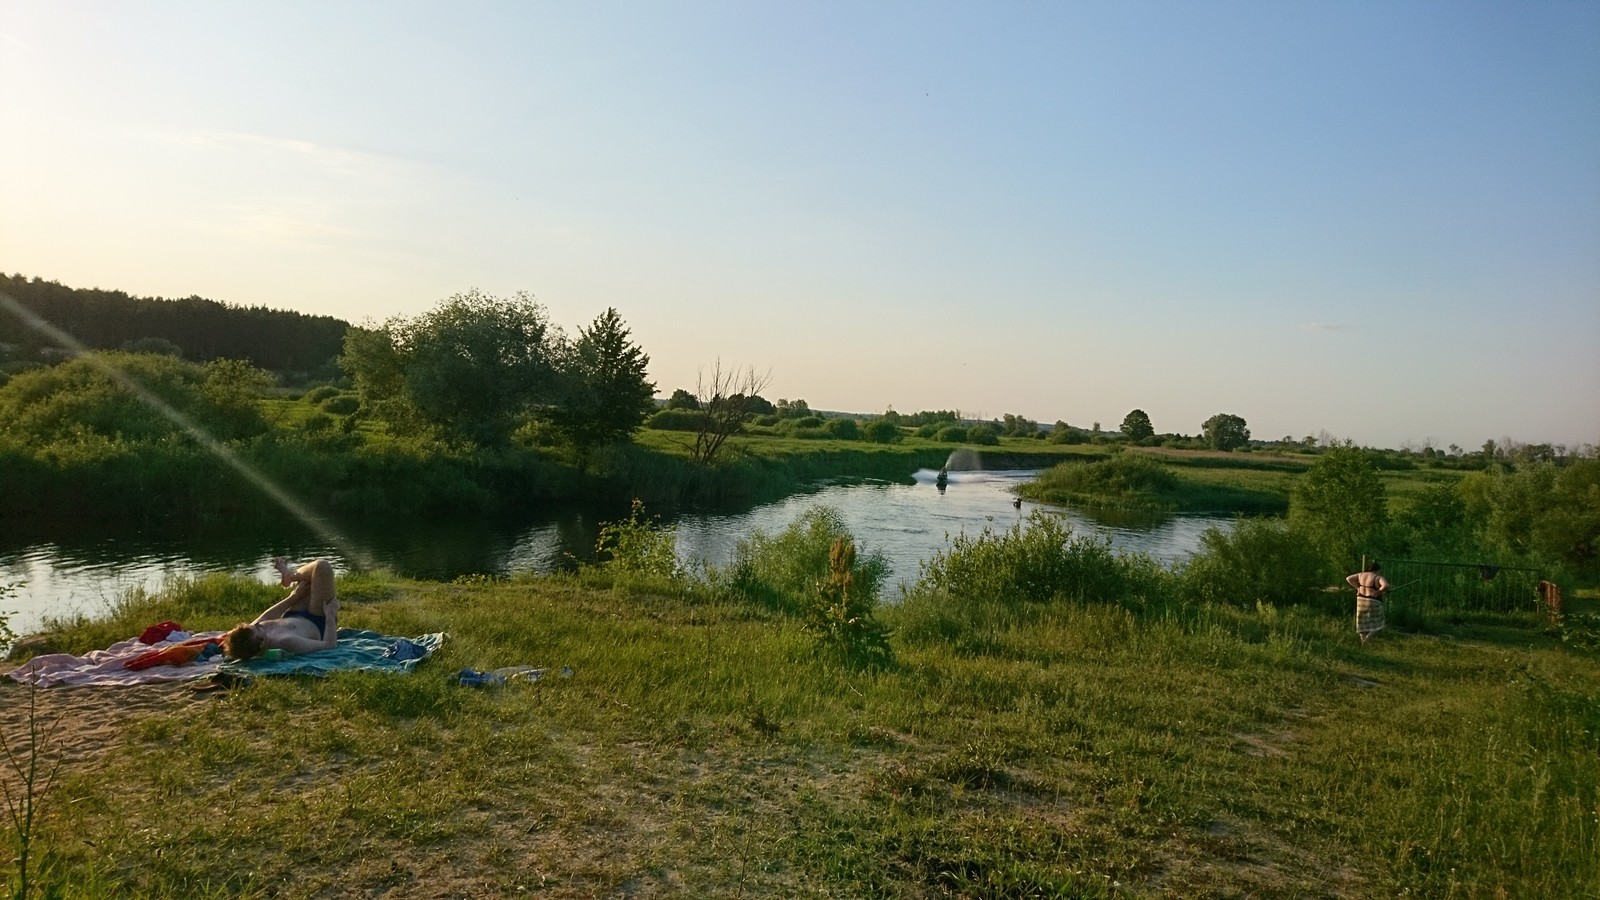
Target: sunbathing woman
[(302, 622)]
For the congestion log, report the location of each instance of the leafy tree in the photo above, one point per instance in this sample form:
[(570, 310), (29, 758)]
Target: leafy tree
[(1339, 502), (1019, 426), (1225, 431), (474, 366), (605, 395), (793, 409), (378, 373), (1544, 511), (682, 399), (754, 405), (1136, 425)]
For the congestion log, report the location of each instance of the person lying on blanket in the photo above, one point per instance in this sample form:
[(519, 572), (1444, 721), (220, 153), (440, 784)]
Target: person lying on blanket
[(302, 622)]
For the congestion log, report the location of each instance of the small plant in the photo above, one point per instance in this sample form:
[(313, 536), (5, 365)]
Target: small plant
[(783, 570), (35, 774), (640, 546), (840, 615)]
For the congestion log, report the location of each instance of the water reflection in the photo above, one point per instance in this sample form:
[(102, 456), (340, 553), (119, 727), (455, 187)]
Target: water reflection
[(907, 522)]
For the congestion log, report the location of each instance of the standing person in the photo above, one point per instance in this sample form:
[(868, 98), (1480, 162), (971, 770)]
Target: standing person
[(303, 622), (1370, 587)]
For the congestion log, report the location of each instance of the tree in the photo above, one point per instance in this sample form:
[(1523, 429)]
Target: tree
[(473, 366), (1225, 431), (726, 400), (1136, 425), (604, 395), (682, 399), (793, 409), (1339, 502)]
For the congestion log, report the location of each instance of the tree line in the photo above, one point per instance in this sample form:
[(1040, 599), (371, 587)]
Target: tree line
[(193, 328)]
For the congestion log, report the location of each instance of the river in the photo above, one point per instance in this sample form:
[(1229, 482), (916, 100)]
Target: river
[(52, 575)]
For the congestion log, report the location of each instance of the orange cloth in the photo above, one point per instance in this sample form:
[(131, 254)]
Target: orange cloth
[(179, 655)]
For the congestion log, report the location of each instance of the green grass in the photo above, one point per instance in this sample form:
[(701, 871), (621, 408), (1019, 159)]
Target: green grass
[(702, 749), (1139, 481)]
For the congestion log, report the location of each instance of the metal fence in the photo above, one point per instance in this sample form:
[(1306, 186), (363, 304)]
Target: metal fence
[(1450, 587)]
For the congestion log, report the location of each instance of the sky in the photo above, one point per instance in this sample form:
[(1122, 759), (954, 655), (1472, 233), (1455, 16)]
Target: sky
[(1374, 221)]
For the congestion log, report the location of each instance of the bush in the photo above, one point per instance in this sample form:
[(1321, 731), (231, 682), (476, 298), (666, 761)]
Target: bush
[(994, 580), (639, 546), (1259, 561), (840, 616), (982, 436), (786, 570), (952, 434), (806, 422), (882, 431), (676, 420), (341, 404), (320, 393), (843, 429)]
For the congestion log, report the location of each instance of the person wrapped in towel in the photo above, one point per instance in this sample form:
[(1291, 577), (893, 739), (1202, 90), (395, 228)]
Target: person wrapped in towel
[(303, 622), (1370, 587)]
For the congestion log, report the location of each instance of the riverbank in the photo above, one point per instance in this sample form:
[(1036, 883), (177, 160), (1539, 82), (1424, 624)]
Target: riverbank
[(702, 748)]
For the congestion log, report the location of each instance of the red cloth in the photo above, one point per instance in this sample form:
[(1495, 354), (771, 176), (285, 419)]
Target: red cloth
[(155, 634), (176, 655)]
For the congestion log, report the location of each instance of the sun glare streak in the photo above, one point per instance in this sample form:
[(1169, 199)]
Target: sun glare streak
[(291, 504)]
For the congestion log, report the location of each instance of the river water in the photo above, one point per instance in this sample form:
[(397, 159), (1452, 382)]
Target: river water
[(49, 575)]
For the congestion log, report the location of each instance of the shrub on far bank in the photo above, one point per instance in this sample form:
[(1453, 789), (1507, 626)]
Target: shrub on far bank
[(675, 420), (950, 434), (882, 431), (843, 429)]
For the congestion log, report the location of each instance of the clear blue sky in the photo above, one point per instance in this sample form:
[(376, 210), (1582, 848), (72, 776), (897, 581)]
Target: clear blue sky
[(1379, 220)]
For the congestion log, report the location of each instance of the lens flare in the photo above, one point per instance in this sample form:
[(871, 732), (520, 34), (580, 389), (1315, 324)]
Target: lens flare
[(295, 506)]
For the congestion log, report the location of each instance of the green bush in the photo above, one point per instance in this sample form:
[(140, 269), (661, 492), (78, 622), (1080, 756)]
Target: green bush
[(319, 393), (951, 434), (982, 436), (882, 431), (341, 404), (995, 580), (930, 430), (639, 546), (676, 420), (840, 613), (785, 571), (843, 429), (806, 422), (1258, 561)]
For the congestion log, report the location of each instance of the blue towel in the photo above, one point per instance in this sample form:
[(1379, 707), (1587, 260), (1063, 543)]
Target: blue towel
[(356, 650)]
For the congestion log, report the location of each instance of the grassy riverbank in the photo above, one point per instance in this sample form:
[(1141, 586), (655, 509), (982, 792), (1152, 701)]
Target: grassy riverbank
[(702, 748)]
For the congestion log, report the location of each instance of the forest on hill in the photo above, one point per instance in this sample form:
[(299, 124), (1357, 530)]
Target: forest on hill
[(300, 348)]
